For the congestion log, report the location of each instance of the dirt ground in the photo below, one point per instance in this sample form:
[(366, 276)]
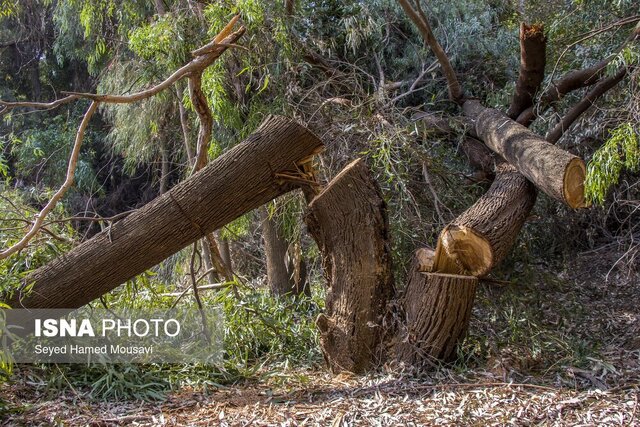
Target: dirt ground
[(562, 349)]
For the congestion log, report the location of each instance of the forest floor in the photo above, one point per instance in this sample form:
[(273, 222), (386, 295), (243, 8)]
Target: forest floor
[(545, 348)]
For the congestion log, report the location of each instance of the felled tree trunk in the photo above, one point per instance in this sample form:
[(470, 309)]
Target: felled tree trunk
[(348, 221), (279, 278), (437, 309), (244, 178), (557, 172), (482, 236)]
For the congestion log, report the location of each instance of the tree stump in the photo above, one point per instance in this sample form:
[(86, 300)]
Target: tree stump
[(437, 309)]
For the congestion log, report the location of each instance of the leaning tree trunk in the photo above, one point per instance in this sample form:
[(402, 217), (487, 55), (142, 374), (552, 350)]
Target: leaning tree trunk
[(348, 221), (244, 178), (279, 278), (482, 236)]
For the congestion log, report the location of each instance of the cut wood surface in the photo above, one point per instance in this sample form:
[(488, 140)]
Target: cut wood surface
[(437, 310), (482, 236), (240, 180), (348, 220), (557, 172)]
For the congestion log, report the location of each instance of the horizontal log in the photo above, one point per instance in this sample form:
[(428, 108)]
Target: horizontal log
[(242, 179), (557, 172)]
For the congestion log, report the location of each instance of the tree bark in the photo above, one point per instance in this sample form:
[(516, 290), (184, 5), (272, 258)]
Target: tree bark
[(242, 179), (533, 58), (482, 236), (437, 309), (279, 278), (558, 173), (348, 220), (225, 252)]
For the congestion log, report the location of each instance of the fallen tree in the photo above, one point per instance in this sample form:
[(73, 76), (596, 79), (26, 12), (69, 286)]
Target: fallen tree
[(242, 179)]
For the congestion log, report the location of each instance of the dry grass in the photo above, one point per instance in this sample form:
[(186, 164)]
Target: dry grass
[(548, 349)]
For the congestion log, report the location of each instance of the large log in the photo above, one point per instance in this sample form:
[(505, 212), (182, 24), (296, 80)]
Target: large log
[(437, 309), (242, 179), (482, 236), (348, 221), (557, 172)]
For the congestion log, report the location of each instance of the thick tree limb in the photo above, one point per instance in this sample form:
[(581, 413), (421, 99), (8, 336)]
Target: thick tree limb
[(585, 103), (483, 235), (557, 172), (533, 45), (573, 80), (455, 90), (244, 177)]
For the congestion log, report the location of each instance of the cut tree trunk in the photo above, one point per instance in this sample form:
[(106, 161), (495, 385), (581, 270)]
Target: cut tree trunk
[(437, 309), (240, 180), (279, 278), (557, 172), (482, 236), (533, 58), (348, 221)]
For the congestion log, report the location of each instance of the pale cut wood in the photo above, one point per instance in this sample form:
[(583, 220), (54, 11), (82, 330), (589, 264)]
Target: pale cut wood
[(240, 180), (483, 235)]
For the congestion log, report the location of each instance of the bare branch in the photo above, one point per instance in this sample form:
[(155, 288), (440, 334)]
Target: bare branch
[(73, 161), (199, 102), (576, 111), (194, 66), (455, 90), (7, 106)]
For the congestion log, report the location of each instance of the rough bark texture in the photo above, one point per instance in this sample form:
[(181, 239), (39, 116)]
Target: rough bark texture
[(558, 173), (533, 45), (242, 179), (279, 278), (482, 236), (348, 221), (437, 310)]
